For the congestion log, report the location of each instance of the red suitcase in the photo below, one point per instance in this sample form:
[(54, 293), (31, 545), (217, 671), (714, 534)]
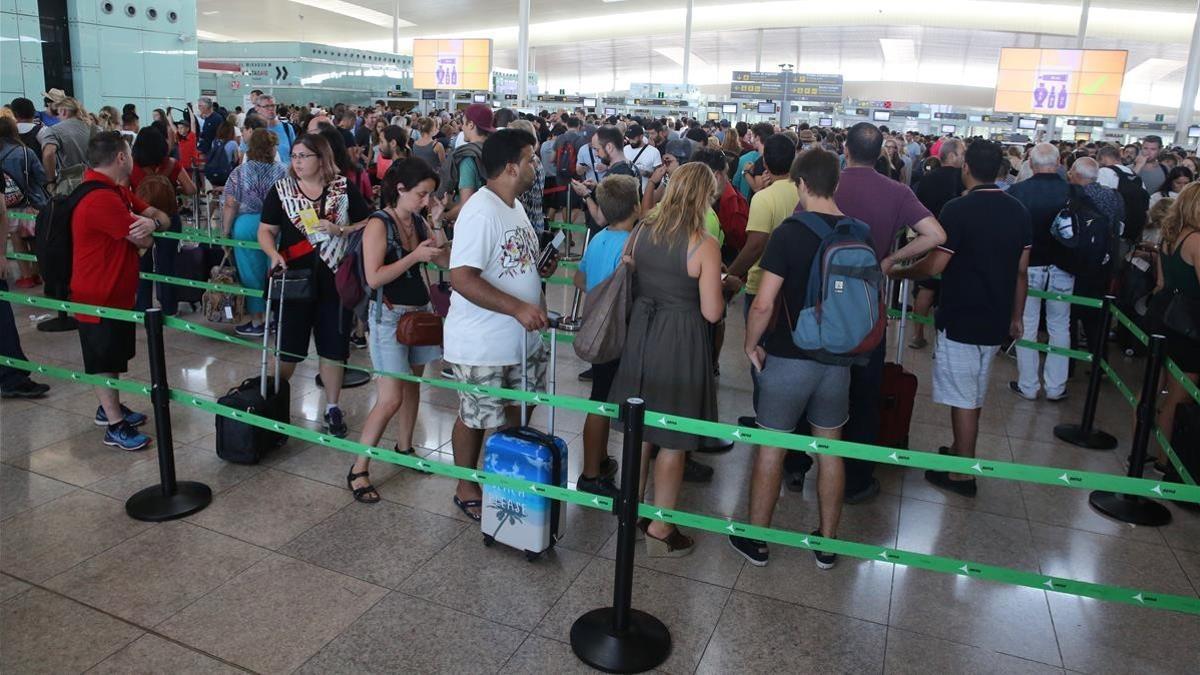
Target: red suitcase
[(898, 392)]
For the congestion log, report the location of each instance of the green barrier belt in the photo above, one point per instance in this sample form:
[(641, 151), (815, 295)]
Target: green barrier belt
[(1037, 346), (192, 283), (1004, 575), (1172, 367), (1130, 326), (196, 237), (702, 522), (73, 307), (569, 227), (1163, 443), (1095, 303), (568, 264), (24, 257), (21, 215), (1124, 389), (562, 336)]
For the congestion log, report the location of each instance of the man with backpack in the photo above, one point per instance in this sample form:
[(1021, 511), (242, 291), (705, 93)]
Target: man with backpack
[(28, 126), (284, 130), (210, 120), (463, 174), (1115, 175), (983, 264), (107, 226), (802, 387), (1098, 249)]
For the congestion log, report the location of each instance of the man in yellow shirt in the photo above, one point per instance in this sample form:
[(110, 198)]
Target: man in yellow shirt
[(769, 207)]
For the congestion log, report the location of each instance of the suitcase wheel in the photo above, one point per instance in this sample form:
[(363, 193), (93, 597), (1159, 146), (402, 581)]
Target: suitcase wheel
[(530, 556), (488, 540)]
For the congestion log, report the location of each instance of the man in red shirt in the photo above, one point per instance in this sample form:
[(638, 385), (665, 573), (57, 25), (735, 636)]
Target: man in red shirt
[(109, 228)]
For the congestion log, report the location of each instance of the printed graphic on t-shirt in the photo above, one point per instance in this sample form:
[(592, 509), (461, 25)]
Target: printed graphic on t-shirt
[(518, 252)]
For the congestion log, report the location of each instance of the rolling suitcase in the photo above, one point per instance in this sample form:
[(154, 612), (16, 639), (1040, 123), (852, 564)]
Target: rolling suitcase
[(243, 443), (191, 262), (898, 389), (518, 519)]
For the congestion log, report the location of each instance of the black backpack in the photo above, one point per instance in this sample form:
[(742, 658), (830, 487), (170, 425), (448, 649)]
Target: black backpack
[(218, 166), (1137, 203), (1087, 233), (53, 241)]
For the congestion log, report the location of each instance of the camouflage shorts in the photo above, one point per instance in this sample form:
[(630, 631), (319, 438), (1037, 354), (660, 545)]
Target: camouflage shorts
[(484, 411)]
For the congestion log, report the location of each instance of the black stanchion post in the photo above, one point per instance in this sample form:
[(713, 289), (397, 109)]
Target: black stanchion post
[(1084, 434), (170, 499), (1136, 509), (620, 639)]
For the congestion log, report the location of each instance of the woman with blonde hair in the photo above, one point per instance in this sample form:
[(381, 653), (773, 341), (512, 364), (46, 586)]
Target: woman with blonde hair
[(1179, 275), (667, 356), (108, 119)]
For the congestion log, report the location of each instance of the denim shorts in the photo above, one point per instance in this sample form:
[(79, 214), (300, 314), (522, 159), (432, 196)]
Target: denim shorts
[(388, 355), (787, 388)]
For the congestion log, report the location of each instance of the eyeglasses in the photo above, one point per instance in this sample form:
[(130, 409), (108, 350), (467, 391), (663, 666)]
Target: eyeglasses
[(303, 155)]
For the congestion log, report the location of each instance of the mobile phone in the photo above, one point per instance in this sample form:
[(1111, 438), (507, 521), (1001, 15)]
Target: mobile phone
[(551, 249)]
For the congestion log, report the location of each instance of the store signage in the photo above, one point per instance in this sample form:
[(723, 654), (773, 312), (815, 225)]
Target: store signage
[(1146, 126), (998, 119), (428, 94), (817, 108), (614, 100), (546, 98), (665, 102), (800, 86), (949, 116), (1085, 123), (906, 113), (510, 97), (208, 92)]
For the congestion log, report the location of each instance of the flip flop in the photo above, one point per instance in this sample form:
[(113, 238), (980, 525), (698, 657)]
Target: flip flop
[(466, 505)]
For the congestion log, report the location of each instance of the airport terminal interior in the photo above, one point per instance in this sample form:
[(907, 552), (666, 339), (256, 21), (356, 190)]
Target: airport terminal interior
[(518, 336)]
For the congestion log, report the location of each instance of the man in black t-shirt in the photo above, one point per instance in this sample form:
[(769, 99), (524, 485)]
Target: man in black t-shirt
[(983, 266), (794, 390), (936, 189)]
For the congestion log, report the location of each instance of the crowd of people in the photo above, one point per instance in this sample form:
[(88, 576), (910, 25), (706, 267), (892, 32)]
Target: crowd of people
[(704, 211)]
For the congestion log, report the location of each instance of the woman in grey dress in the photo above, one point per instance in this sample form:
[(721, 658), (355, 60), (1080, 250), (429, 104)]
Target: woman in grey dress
[(668, 351)]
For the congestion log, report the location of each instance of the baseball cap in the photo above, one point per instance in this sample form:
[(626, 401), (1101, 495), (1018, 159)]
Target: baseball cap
[(680, 148), (480, 114), (634, 131)]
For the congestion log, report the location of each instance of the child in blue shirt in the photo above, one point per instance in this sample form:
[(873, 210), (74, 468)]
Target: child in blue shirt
[(617, 197)]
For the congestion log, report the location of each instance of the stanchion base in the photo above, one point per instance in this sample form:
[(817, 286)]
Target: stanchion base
[(1074, 434), (1130, 508), (570, 257), (570, 325), (350, 379), (150, 504), (644, 646), (60, 324)]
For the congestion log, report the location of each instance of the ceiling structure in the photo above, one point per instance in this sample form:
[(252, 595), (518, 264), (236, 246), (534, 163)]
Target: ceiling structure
[(598, 45)]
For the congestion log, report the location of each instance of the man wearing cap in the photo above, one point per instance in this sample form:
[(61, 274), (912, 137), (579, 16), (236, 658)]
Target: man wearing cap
[(51, 99), (675, 153), (644, 158), (466, 173)]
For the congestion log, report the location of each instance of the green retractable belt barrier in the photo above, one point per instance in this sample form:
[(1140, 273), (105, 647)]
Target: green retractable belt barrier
[(566, 227), (192, 283), (24, 257), (1047, 349), (73, 307)]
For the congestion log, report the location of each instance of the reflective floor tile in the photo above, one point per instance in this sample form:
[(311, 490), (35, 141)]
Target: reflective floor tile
[(10, 586), (55, 536), (713, 562), (1105, 637), (757, 634), (857, 588), (539, 655), (271, 508), (83, 459), (46, 427), (21, 490), (690, 608), (586, 530), (424, 491), (327, 465), (381, 543), (46, 633), (497, 583), (272, 617), (1184, 531), (191, 464), (155, 574), (151, 654), (916, 654), (406, 634)]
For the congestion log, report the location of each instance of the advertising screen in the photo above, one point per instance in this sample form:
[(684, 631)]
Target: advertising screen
[(949, 128), (767, 108), (825, 122), (589, 103), (479, 98), (729, 108), (1060, 81), (1027, 123), (881, 116), (452, 64), (609, 112)]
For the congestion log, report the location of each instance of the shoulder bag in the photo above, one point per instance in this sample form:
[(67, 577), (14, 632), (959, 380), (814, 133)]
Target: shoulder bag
[(601, 338)]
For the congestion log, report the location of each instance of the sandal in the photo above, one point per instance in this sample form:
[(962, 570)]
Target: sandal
[(675, 545), (362, 494), (465, 505), (411, 452)]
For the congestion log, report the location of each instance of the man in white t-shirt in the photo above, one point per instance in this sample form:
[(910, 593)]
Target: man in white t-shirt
[(497, 308), (644, 157)]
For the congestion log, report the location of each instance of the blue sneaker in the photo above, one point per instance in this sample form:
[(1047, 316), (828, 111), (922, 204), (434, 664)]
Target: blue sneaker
[(124, 436), (335, 423), (135, 419), (250, 329)]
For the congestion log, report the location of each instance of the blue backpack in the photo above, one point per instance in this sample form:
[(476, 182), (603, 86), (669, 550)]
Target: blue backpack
[(843, 318)]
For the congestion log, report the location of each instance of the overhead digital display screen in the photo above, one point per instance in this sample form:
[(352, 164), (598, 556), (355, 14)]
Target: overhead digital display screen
[(1060, 81), (452, 64)]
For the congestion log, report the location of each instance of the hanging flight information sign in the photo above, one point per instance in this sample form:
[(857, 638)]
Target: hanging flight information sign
[(800, 86)]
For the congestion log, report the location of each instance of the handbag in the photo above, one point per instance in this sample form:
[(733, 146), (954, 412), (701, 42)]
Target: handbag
[(601, 338), (419, 329), (1182, 315), (293, 285)]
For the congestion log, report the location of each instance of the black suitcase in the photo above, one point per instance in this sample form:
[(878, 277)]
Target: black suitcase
[(191, 262), (270, 397), (1185, 440)]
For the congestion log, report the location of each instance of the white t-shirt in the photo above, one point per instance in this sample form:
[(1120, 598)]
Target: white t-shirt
[(645, 164), (588, 157), (497, 239), (1109, 178)]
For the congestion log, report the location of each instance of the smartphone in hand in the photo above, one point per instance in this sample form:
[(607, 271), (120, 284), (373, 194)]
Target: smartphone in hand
[(551, 250)]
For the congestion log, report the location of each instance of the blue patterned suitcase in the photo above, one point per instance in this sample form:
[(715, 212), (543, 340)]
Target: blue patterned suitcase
[(518, 519)]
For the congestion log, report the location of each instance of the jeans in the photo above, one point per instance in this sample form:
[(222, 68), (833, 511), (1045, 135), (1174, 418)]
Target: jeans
[(10, 344), (160, 260), (863, 427), (1058, 325)]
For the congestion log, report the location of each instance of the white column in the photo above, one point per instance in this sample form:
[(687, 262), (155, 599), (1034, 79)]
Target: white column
[(687, 43), (758, 53), (1190, 81), (523, 53), (1084, 7), (396, 28)]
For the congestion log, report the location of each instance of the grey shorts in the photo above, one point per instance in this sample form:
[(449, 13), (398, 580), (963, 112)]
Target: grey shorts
[(961, 372), (789, 387)]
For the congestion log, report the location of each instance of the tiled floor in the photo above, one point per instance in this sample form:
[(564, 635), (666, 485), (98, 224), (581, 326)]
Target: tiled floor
[(284, 572)]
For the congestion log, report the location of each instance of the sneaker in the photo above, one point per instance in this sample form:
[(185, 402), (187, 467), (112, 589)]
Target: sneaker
[(1058, 399), (748, 421), (27, 388), (1016, 389), (25, 283), (335, 422), (599, 485), (123, 435), (250, 329), (863, 494), (134, 419), (966, 488), (608, 468), (695, 472), (752, 550), (447, 373), (825, 559), (586, 376), (358, 341)]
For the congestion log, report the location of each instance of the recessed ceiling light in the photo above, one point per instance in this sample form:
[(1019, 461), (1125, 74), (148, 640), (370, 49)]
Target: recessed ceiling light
[(214, 37), (211, 12), (354, 12)]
